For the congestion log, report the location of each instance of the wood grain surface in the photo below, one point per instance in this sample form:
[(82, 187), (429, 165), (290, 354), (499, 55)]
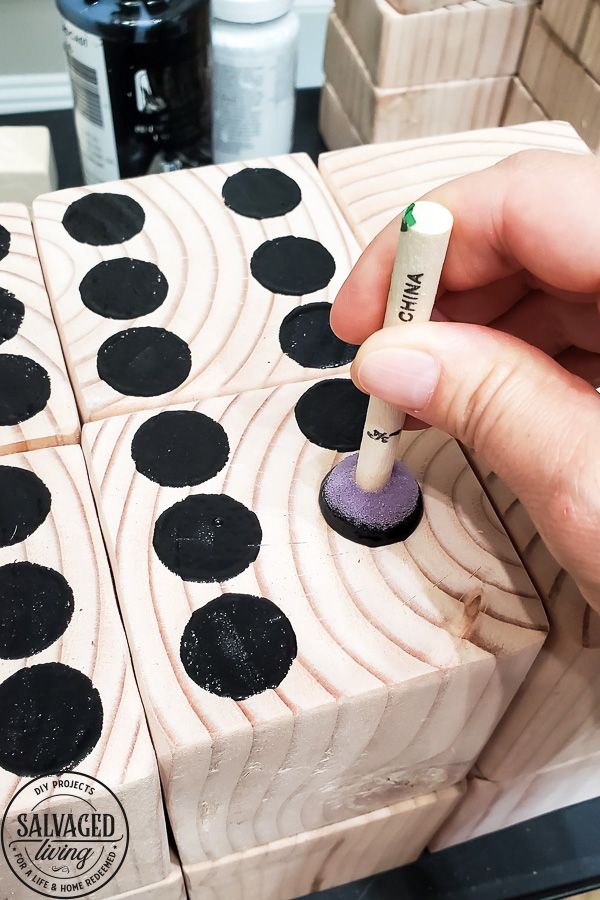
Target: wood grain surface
[(408, 655), (475, 39), (373, 184), (568, 20), (417, 6), (230, 322), (387, 114), (69, 541), (590, 42), (520, 106), (21, 275), (326, 857), (335, 127)]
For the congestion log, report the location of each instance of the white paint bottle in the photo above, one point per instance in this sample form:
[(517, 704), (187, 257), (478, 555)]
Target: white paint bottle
[(254, 46)]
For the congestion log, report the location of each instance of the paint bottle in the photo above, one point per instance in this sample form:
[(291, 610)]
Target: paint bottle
[(140, 72), (255, 44)]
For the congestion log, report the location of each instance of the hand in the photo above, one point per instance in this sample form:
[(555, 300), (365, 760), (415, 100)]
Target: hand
[(508, 371)]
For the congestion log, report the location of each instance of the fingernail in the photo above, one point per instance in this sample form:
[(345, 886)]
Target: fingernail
[(406, 378)]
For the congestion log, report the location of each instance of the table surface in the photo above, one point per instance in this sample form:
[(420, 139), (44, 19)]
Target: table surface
[(553, 856)]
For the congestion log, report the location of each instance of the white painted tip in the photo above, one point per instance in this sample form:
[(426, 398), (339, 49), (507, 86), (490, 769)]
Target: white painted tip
[(431, 218)]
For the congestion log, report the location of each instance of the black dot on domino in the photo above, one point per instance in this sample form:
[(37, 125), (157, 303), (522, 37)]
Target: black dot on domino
[(332, 414), (50, 719), (36, 605), (4, 242), (104, 219), (12, 313), (144, 362), (180, 447), (292, 265), (24, 504), (207, 538), (306, 337), (238, 645), (261, 193), (123, 288), (24, 389)]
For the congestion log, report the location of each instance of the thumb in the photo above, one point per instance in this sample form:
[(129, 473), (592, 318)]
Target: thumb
[(536, 425)]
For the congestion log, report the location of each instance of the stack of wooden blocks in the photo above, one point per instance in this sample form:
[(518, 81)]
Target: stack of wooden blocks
[(561, 64), (400, 69)]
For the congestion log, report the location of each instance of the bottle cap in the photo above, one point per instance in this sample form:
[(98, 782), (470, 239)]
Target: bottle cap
[(250, 10)]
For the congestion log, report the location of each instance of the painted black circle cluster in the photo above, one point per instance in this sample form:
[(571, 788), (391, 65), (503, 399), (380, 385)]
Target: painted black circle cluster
[(24, 383), (138, 362), (50, 714)]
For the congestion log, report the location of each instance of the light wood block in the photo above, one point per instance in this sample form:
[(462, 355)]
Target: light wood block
[(559, 83), (172, 887), (57, 421), (69, 541), (327, 857), (520, 106), (568, 20), (489, 806), (416, 6), (475, 39), (27, 167), (408, 655), (387, 114), (336, 128), (590, 45), (228, 320), (373, 184)]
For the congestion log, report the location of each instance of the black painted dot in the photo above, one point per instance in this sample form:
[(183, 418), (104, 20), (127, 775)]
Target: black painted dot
[(207, 537), (306, 337), (36, 605), (24, 504), (292, 265), (4, 242), (50, 719), (238, 645), (180, 447), (104, 219), (124, 288), (261, 193), (144, 362), (24, 388), (12, 313), (332, 414)]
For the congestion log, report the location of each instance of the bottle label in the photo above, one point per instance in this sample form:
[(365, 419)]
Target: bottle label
[(93, 111)]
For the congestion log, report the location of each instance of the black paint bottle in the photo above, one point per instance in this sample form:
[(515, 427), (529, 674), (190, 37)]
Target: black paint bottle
[(140, 71)]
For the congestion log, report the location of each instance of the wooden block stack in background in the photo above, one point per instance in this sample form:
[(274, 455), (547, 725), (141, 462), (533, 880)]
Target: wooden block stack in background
[(560, 67), (406, 74)]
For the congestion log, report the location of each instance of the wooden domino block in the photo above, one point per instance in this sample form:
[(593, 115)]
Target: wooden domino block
[(68, 696), (520, 106), (336, 128), (388, 668), (476, 39), (568, 20), (387, 114), (37, 407), (559, 83), (371, 185), (218, 329), (590, 43), (415, 6), (326, 857), (489, 806), (27, 167)]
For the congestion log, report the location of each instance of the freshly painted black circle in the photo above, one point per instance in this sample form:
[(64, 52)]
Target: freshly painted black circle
[(306, 337), (36, 605), (104, 219), (124, 288), (144, 362), (24, 504), (332, 414), (207, 537), (292, 265), (180, 447), (12, 313), (50, 719), (238, 645), (261, 193), (4, 242), (24, 388)]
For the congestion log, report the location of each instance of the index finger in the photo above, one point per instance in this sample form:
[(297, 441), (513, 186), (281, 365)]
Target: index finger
[(536, 210)]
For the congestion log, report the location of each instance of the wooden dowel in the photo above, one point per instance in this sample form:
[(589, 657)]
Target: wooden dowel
[(422, 247)]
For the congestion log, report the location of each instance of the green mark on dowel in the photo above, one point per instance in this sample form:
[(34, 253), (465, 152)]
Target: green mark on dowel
[(408, 220)]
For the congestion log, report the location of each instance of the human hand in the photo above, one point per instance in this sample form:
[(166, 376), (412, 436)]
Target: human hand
[(508, 371)]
